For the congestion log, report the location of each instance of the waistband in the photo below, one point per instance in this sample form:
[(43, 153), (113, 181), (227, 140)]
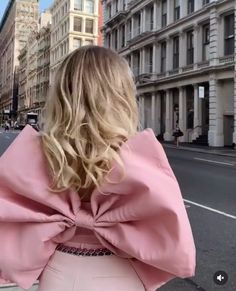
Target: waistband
[(84, 251)]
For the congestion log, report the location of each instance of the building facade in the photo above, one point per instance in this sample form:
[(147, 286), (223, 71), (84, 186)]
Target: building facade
[(182, 53), (34, 67), (74, 24), (19, 19)]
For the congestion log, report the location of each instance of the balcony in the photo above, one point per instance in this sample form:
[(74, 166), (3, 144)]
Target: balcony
[(226, 59), (174, 72), (115, 18), (187, 68), (203, 64), (133, 3)]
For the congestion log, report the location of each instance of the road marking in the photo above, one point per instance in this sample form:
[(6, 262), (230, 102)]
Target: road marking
[(211, 209), (215, 162)]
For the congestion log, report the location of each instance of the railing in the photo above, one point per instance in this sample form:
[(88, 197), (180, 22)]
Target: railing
[(133, 2), (173, 72), (187, 68), (226, 59), (203, 64), (161, 75)]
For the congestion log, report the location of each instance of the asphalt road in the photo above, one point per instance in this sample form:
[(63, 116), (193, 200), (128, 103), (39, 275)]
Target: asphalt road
[(208, 186), (208, 181)]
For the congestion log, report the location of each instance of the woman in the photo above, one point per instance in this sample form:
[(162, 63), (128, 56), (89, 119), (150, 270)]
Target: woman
[(92, 204)]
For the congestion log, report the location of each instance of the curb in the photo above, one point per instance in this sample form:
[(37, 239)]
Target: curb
[(211, 152)]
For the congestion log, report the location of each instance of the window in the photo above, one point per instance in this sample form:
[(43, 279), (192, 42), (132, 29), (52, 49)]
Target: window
[(229, 34), (205, 42), (129, 28), (89, 26), (109, 40), (76, 43), (151, 17), (122, 35), (204, 2), (191, 6), (88, 42), (78, 24), (190, 49), (150, 59), (78, 5), (116, 5), (175, 52), (164, 13), (89, 6), (109, 10), (163, 57), (136, 60), (177, 10), (115, 39)]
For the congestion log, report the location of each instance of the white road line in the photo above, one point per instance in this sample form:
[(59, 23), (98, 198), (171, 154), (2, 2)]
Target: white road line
[(210, 209), (215, 162)]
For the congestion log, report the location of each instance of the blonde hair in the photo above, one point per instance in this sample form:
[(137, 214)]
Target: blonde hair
[(91, 112)]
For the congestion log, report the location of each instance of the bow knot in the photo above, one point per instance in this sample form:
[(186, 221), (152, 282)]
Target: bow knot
[(84, 219)]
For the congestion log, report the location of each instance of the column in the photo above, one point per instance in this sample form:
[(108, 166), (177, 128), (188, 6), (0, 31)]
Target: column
[(157, 64), (158, 15), (158, 113), (143, 22), (132, 61), (143, 63), (169, 116), (183, 113), (155, 15), (183, 8), (154, 58), (142, 108), (197, 44), (169, 54), (132, 27), (183, 49), (216, 130), (213, 37), (153, 115), (196, 113), (234, 134), (170, 11)]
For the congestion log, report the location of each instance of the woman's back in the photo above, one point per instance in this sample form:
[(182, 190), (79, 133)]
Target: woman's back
[(91, 203)]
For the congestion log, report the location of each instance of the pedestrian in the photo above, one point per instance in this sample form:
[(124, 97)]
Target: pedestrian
[(7, 126), (177, 134), (89, 202)]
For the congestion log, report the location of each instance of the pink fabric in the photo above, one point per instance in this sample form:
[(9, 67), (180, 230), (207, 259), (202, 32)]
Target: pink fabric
[(142, 218)]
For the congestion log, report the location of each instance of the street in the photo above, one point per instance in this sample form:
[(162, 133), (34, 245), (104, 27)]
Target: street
[(208, 185), (209, 181)]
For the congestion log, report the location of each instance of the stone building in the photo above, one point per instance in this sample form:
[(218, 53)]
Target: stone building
[(74, 24), (19, 19), (182, 53), (34, 69)]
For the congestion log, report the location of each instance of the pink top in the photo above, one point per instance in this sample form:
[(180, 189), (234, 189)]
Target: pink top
[(142, 218)]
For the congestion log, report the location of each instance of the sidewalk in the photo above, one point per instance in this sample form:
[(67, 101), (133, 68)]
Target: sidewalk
[(220, 151)]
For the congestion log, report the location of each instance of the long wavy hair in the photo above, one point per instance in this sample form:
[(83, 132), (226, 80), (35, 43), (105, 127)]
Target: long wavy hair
[(89, 115)]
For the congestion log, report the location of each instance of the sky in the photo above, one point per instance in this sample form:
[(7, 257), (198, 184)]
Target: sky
[(42, 3)]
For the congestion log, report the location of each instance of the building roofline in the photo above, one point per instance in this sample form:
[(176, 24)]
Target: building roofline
[(6, 13)]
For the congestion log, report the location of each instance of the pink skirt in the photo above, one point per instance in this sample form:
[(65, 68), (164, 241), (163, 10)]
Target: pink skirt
[(67, 272)]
